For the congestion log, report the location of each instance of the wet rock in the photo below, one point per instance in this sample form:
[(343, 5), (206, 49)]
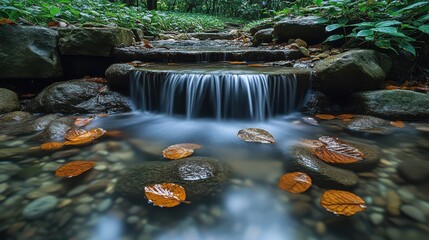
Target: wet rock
[(39, 207), (319, 102), (413, 213), (200, 176), (93, 41), (301, 209), (29, 52), (41, 123), (57, 128), (376, 218), (104, 205), (3, 187), (263, 25), (8, 101), (393, 203), (138, 34), (65, 154), (263, 36), (14, 117), (306, 28), (118, 76), (369, 124), (392, 104), (213, 36), (79, 96), (323, 175), (83, 209), (304, 51), (301, 43), (351, 71), (415, 171)]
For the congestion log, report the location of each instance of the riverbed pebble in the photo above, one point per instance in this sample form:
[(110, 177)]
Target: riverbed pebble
[(3, 187), (39, 207), (104, 205), (413, 213), (83, 209)]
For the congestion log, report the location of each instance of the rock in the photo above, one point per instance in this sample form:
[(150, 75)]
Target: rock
[(3, 187), (301, 43), (376, 218), (8, 101), (322, 174), (39, 207), (413, 170), (79, 96), (104, 205), (261, 26), (41, 123), (318, 102), (392, 104), (29, 52), (93, 41), (200, 176), (306, 28), (57, 128), (320, 228), (413, 213), (118, 76), (83, 209), (368, 124), (213, 36), (393, 203), (263, 36), (138, 34), (301, 209), (14, 117), (65, 154), (351, 71)]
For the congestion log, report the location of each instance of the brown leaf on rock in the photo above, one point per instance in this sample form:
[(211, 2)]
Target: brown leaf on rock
[(147, 44), (165, 194), (114, 133), (51, 146), (73, 133), (336, 151), (344, 116), (255, 135), (295, 182), (237, 63), (192, 146), (174, 153), (6, 21), (96, 80), (97, 132), (325, 116), (80, 141), (75, 168), (398, 124), (83, 121), (342, 202)]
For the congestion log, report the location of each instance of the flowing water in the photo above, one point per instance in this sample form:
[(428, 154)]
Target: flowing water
[(250, 207)]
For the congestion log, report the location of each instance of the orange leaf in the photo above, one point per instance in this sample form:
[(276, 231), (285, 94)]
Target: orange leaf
[(347, 119), (257, 65), (113, 133), (192, 146), (311, 144), (325, 116), (255, 135), (147, 44), (73, 169), (174, 153), (336, 151), (398, 124), (82, 122), (6, 21), (80, 141), (344, 116), (391, 87), (96, 79), (102, 115), (73, 133), (51, 146), (165, 194), (295, 182), (97, 132), (237, 63), (342, 202)]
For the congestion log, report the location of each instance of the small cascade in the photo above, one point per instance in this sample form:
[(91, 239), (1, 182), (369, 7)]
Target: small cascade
[(216, 95)]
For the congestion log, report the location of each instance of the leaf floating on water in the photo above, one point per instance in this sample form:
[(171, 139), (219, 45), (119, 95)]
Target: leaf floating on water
[(255, 135), (82, 122), (295, 182), (86, 137), (325, 116), (102, 115), (237, 63), (165, 194), (310, 121), (75, 168), (73, 133), (51, 146), (398, 124), (192, 146), (113, 133), (342, 202), (174, 153), (345, 116), (336, 151), (257, 65), (97, 132)]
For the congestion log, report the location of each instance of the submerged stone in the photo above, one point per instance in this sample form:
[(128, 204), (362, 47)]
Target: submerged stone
[(200, 177), (39, 207), (415, 171), (369, 124), (8, 101)]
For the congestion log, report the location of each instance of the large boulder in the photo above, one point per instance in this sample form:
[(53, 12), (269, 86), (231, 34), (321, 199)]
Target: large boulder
[(118, 76), (351, 71), (263, 25), (29, 52), (263, 36), (200, 176), (79, 96), (318, 102), (8, 101), (307, 28), (93, 41), (392, 104)]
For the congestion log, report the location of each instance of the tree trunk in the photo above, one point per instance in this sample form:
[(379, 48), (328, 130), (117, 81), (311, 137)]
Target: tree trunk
[(152, 4)]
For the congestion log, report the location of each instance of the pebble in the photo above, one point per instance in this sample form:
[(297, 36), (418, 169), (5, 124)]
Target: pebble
[(320, 228), (83, 209), (85, 199), (77, 190), (300, 42), (393, 203), (304, 51), (3, 187), (65, 154), (301, 209), (35, 194), (39, 207), (132, 219), (100, 167), (2, 197), (104, 205), (376, 218), (50, 167), (50, 187), (379, 201), (3, 177), (65, 202), (413, 213)]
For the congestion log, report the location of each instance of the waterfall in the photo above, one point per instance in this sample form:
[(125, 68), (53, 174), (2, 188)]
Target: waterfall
[(220, 96)]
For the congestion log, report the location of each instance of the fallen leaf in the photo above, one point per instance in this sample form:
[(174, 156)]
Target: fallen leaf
[(81, 141), (257, 65), (57, 24), (311, 144), (73, 169), (342, 202), (73, 133), (95, 79), (336, 151), (255, 135), (398, 124), (102, 115), (165, 194), (295, 182), (392, 87), (344, 116), (6, 21), (237, 63), (243, 38), (97, 132), (113, 133), (174, 153), (147, 44), (325, 116), (310, 120), (82, 122), (192, 146), (346, 119), (51, 145)]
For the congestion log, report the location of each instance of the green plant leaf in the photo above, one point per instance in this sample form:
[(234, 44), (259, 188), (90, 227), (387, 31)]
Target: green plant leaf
[(343, 21), (412, 6), (54, 11), (332, 27), (334, 38), (364, 24), (408, 47), (365, 33), (383, 44), (424, 18), (424, 28), (388, 30), (387, 23)]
